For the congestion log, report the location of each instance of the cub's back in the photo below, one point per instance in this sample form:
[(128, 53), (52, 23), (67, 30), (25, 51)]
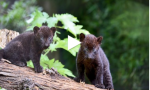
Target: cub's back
[(24, 38)]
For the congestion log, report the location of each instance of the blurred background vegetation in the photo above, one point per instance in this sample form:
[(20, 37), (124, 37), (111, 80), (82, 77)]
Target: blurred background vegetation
[(123, 24)]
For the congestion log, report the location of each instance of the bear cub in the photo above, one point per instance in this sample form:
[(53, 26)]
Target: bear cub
[(92, 61), (28, 46)]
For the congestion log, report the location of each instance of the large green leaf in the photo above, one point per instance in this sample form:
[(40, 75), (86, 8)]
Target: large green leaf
[(37, 18), (64, 44), (52, 21), (67, 17), (65, 72), (79, 30), (67, 20)]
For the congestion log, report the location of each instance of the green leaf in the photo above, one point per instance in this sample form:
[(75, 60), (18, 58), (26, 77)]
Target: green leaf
[(64, 72), (68, 17), (67, 20), (50, 63), (37, 18), (52, 47), (74, 50), (68, 72), (64, 44), (58, 64), (79, 30), (56, 38), (45, 15), (43, 60), (44, 57), (52, 21), (30, 64)]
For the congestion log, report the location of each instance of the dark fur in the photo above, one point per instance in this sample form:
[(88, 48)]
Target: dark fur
[(92, 60), (28, 46)]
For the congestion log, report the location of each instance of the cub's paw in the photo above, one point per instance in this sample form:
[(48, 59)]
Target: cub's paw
[(100, 86), (38, 69), (109, 87), (76, 79)]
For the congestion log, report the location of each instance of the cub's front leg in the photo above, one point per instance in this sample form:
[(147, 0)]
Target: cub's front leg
[(108, 79), (99, 74), (80, 68), (36, 62)]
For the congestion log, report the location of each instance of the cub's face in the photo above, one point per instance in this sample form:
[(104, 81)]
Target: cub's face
[(90, 45), (44, 35)]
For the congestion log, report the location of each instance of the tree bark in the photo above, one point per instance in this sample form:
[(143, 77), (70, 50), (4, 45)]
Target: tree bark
[(13, 77), (6, 36)]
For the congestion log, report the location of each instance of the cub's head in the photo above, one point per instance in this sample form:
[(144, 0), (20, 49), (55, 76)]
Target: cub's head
[(90, 45), (44, 35)]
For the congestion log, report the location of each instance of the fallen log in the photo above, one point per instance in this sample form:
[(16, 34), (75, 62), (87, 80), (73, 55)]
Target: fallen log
[(13, 77)]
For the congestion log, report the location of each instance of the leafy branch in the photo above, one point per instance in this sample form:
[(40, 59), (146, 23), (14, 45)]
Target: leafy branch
[(68, 21)]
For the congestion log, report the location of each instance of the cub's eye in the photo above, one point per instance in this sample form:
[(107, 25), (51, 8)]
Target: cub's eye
[(85, 49), (49, 38), (95, 51), (42, 38)]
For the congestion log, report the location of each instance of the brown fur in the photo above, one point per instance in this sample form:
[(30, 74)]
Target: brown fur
[(28, 46), (92, 60)]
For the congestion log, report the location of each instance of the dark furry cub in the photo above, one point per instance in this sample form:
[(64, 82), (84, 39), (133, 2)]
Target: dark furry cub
[(28, 46), (92, 61)]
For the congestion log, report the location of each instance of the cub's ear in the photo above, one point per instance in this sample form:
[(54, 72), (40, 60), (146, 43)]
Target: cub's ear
[(36, 28), (99, 39), (82, 36), (53, 30)]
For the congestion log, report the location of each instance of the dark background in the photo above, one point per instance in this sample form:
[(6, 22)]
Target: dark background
[(122, 23)]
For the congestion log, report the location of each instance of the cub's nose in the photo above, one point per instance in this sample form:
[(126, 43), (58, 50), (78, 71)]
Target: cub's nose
[(90, 56), (46, 45)]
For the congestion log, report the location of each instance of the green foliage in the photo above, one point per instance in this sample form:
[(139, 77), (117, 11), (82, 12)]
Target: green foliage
[(47, 63), (14, 17), (2, 88), (68, 21), (124, 27), (37, 18), (131, 34)]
